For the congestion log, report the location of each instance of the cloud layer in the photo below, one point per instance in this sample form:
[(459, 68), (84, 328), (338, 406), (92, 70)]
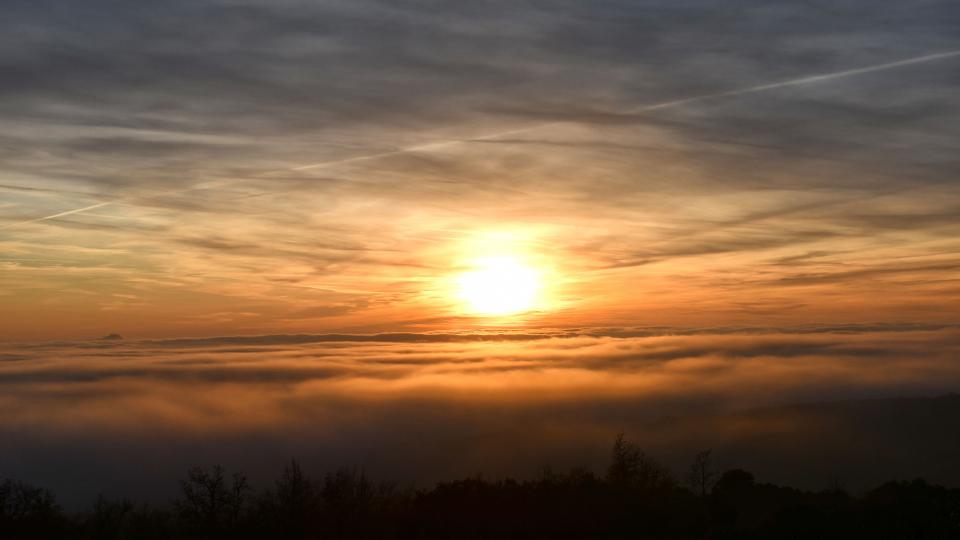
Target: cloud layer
[(424, 407)]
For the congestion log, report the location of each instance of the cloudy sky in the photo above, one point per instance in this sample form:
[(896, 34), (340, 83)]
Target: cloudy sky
[(731, 207), (248, 167)]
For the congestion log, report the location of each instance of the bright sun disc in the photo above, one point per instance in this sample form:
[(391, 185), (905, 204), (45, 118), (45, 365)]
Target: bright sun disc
[(499, 286)]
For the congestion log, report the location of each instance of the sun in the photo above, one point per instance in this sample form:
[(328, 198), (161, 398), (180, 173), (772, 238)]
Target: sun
[(497, 286)]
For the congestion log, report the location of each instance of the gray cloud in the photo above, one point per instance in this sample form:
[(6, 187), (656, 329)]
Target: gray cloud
[(257, 70)]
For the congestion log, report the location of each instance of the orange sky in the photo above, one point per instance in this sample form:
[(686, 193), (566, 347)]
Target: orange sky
[(645, 237), (647, 189)]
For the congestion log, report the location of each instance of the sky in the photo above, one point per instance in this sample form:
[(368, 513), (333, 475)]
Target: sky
[(226, 168), (730, 208)]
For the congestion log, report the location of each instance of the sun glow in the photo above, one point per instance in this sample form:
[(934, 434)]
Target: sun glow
[(499, 286)]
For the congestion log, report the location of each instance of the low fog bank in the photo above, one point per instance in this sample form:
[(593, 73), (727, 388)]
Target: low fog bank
[(808, 410)]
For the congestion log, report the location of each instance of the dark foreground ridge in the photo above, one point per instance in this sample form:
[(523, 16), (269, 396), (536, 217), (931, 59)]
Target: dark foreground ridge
[(636, 498)]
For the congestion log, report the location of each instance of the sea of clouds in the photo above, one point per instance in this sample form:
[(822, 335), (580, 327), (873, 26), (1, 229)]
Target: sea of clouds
[(128, 417)]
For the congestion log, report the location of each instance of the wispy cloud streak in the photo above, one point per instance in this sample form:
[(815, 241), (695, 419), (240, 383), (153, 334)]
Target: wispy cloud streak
[(437, 145)]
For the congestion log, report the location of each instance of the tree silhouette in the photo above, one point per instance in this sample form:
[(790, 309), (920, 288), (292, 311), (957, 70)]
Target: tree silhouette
[(701, 476), (210, 505), (28, 512), (295, 502), (629, 465)]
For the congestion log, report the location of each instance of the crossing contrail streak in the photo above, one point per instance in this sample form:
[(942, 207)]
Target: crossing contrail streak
[(492, 136), (60, 214), (801, 81)]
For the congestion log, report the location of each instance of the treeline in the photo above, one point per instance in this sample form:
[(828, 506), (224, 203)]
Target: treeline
[(637, 497)]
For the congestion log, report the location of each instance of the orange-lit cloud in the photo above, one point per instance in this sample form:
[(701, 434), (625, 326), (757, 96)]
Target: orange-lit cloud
[(429, 405), (812, 185)]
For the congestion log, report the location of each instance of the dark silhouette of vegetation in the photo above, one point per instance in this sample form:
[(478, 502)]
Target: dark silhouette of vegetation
[(28, 512), (209, 504), (630, 466), (701, 477), (636, 498)]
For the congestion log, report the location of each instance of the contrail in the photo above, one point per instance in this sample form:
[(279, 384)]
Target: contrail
[(636, 110), (61, 214), (802, 80)]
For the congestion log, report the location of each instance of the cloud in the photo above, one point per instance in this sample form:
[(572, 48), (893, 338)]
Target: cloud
[(421, 406), (188, 130)]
